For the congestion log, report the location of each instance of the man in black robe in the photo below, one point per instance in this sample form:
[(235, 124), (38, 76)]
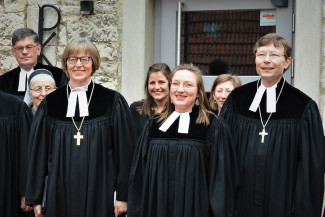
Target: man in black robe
[(15, 121), (279, 139), (26, 48)]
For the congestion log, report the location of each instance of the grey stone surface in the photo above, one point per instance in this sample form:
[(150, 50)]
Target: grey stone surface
[(102, 28)]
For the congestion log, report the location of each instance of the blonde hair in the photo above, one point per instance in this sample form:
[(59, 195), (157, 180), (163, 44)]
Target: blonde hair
[(204, 107)]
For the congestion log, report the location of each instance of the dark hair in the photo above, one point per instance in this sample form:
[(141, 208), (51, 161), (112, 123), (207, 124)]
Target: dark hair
[(77, 45), (277, 40), (149, 102), (220, 79), (204, 107), (22, 33), (218, 67)]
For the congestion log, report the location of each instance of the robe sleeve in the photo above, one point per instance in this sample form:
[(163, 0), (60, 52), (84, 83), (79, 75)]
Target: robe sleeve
[(124, 143), (223, 171), (25, 121), (137, 172), (310, 168), (38, 161)]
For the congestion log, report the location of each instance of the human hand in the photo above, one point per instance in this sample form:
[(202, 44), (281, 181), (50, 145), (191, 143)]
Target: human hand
[(38, 210), (23, 206), (120, 207)]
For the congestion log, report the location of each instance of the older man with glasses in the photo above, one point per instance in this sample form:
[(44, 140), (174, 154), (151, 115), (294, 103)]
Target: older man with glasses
[(26, 48)]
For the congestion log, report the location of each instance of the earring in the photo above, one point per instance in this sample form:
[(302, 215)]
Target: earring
[(215, 102), (197, 102)]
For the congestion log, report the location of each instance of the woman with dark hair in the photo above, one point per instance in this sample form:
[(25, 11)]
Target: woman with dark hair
[(82, 138), (157, 95), (184, 164)]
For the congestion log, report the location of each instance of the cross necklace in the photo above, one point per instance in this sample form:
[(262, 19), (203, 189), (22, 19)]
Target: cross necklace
[(79, 136), (263, 133)]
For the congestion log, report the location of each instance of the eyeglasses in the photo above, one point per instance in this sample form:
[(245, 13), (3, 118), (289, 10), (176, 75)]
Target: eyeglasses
[(221, 92), (262, 56), (186, 85), (46, 89), (84, 60), (28, 48)]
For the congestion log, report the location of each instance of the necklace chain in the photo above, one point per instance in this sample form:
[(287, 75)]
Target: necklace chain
[(82, 121), (259, 109)]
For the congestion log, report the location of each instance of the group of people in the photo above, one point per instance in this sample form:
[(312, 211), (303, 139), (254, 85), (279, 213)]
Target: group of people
[(74, 148)]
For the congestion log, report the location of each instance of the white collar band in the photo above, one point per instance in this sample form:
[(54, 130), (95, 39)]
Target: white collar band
[(184, 122), (80, 93), (270, 98)]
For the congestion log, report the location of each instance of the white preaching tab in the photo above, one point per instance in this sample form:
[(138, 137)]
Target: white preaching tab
[(257, 99), (270, 99), (184, 122), (22, 80), (80, 93), (23, 76)]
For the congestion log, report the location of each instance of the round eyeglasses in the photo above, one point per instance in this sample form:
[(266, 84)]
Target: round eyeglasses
[(46, 89), (186, 85), (262, 56), (28, 48), (84, 60)]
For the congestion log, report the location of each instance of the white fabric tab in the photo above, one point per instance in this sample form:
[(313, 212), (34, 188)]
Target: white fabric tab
[(257, 99), (170, 120), (271, 99), (27, 99), (72, 104), (83, 105), (184, 122), (80, 93), (22, 80)]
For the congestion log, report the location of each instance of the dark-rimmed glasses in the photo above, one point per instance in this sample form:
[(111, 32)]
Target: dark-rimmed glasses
[(84, 60)]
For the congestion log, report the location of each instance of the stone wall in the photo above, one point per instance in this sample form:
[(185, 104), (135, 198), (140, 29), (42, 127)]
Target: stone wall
[(103, 28)]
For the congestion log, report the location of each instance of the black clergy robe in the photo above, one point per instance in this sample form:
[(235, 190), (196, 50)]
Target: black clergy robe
[(15, 121), (183, 175), (81, 179), (139, 120), (284, 175), (9, 81)]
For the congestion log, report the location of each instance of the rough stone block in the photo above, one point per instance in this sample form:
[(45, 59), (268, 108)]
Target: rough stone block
[(14, 6)]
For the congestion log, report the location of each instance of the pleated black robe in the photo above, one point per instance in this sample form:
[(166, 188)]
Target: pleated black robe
[(139, 120), (183, 175), (9, 81), (15, 122), (284, 176), (81, 179)]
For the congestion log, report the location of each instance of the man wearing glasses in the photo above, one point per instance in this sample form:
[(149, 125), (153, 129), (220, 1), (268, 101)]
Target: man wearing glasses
[(26, 48), (279, 139)]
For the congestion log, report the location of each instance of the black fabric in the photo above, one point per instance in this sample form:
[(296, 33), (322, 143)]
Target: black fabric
[(15, 121), (10, 80), (82, 179), (284, 175), (139, 120), (178, 175)]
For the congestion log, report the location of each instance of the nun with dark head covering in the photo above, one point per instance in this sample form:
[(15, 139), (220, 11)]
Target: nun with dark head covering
[(41, 82)]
